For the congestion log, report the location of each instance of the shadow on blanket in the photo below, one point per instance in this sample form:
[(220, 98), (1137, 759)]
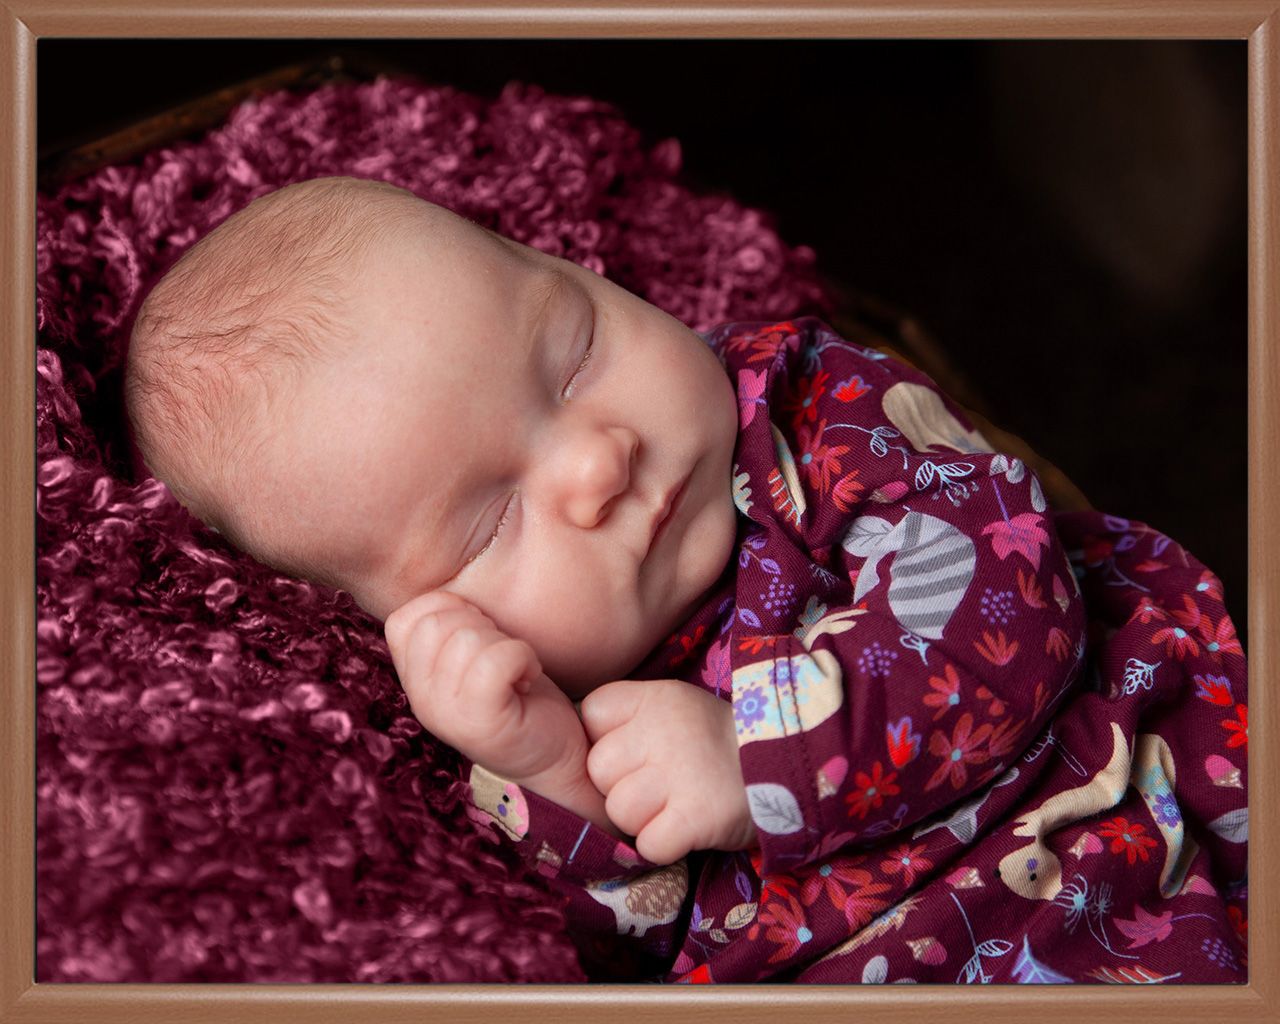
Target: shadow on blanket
[(231, 787)]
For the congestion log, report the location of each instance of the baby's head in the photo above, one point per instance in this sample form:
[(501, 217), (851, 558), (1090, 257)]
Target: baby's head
[(364, 389)]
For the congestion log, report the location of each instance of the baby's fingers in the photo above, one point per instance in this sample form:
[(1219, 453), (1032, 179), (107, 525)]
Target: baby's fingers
[(400, 623), (497, 670), (666, 838), (635, 799), (417, 663)]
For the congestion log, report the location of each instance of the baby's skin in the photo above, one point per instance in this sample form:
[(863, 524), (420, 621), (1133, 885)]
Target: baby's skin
[(483, 459), (653, 759), (628, 412)]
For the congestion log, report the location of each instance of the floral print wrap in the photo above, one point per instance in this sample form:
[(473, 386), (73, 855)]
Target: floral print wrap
[(982, 740)]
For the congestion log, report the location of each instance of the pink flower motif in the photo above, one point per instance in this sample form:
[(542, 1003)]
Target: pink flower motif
[(1023, 534), (717, 673), (750, 389), (1145, 927)]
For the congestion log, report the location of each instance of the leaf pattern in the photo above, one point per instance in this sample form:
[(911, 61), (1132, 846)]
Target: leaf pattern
[(1144, 927), (1030, 971), (774, 809)]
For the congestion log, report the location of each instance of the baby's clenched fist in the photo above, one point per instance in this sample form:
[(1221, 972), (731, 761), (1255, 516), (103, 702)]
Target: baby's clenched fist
[(480, 690), (665, 755)]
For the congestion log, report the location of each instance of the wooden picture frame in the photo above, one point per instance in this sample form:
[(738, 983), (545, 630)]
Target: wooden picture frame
[(24, 22)]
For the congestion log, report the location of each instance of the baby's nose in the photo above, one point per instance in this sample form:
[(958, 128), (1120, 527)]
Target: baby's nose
[(598, 474)]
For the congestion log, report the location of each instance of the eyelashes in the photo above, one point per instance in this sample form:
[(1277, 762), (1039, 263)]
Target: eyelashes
[(567, 390), (502, 521)]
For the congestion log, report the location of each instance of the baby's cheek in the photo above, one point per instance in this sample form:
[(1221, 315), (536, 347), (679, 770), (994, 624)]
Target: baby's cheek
[(582, 632)]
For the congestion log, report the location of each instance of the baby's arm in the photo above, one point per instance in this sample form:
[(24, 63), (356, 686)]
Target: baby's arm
[(485, 694)]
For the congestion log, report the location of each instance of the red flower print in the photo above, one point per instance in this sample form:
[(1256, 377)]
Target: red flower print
[(786, 926), (802, 399), (1219, 640), (1209, 584), (997, 650), (1189, 617), (863, 902), (756, 644), (907, 860), (904, 745), (1146, 611), (765, 349), (871, 791), (700, 975), (854, 387), (688, 645), (1032, 593), (1004, 736), (1096, 550), (1041, 698), (1214, 689), (1240, 924), (1056, 644), (958, 751), (819, 462), (1023, 534), (1239, 728), (830, 880), (764, 343), (996, 708), (1178, 642), (1126, 838), (847, 491), (947, 691), (776, 886)]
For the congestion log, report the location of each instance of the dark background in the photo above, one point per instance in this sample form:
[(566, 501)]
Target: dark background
[(1068, 219)]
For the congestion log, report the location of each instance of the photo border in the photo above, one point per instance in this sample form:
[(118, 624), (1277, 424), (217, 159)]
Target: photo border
[(24, 22)]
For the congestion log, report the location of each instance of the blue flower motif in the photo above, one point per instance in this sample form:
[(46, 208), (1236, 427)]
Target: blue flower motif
[(1167, 811), (749, 707)]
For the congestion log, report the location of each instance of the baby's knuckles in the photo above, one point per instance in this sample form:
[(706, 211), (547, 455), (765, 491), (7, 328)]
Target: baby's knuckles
[(689, 736), (411, 618)]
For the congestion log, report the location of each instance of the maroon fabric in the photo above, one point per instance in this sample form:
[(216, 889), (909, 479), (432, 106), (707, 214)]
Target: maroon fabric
[(230, 786), (948, 783)]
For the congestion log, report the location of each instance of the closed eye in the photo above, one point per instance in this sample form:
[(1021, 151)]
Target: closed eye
[(502, 521), (586, 358)]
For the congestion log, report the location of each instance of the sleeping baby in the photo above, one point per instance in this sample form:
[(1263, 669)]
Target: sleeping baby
[(697, 609)]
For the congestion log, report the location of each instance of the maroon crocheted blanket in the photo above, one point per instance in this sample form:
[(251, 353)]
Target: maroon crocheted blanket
[(231, 787)]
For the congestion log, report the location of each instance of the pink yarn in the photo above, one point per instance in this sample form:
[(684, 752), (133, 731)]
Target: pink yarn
[(230, 786)]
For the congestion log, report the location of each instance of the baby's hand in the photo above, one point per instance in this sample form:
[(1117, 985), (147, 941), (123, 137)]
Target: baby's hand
[(484, 692), (665, 755)]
